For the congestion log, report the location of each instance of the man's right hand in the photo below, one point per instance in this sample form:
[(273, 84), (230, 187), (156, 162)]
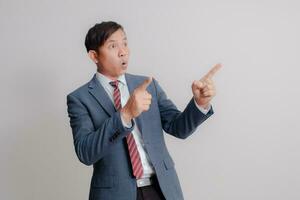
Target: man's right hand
[(138, 102)]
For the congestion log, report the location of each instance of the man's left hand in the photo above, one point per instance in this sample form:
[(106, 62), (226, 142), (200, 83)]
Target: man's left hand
[(204, 89)]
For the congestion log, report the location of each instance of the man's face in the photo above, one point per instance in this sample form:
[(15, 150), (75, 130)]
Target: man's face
[(114, 55)]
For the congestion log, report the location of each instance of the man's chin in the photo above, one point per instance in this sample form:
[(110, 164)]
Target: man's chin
[(123, 71), (124, 67)]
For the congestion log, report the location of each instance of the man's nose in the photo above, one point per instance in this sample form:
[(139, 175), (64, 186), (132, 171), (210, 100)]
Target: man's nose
[(123, 52)]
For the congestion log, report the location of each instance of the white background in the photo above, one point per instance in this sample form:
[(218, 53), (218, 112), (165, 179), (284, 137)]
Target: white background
[(249, 149)]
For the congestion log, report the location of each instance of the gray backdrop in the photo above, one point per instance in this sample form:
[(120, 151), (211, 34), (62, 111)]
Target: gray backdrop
[(248, 150)]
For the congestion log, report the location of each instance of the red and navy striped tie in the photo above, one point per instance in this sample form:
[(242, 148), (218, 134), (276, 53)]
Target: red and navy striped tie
[(136, 163)]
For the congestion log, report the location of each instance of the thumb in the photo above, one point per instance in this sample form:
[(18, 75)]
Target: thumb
[(145, 84), (198, 85)]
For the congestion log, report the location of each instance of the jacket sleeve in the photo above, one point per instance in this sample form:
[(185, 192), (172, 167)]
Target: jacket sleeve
[(177, 123), (92, 144)]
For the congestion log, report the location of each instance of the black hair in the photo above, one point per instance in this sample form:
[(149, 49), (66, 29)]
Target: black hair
[(99, 33)]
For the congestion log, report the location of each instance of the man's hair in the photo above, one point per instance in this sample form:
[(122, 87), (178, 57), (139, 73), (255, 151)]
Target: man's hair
[(99, 33)]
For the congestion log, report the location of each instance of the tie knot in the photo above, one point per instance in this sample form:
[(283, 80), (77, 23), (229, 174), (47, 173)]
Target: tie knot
[(114, 83)]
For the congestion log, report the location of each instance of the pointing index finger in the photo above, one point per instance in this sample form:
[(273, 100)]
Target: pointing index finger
[(213, 71)]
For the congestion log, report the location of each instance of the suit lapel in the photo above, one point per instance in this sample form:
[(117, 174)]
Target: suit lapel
[(96, 90)]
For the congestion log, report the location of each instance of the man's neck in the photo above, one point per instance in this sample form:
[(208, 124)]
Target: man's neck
[(113, 78)]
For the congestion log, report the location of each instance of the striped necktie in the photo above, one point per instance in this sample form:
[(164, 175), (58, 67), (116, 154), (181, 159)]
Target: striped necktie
[(136, 163)]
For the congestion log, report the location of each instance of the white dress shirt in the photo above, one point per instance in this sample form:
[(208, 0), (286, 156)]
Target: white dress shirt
[(146, 163)]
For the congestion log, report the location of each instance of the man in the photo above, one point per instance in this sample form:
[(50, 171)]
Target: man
[(118, 120)]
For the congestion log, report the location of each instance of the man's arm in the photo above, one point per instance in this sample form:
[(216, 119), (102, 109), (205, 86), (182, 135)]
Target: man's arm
[(177, 123), (92, 144), (183, 124)]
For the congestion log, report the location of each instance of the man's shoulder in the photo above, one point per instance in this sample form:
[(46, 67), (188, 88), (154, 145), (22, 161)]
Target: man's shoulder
[(135, 77), (83, 89), (138, 79)]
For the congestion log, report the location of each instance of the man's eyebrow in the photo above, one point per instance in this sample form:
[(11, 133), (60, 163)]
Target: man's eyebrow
[(125, 38)]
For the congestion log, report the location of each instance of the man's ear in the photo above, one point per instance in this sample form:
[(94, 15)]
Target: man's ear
[(94, 56)]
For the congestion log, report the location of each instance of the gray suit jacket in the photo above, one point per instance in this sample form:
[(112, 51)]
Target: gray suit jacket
[(99, 138)]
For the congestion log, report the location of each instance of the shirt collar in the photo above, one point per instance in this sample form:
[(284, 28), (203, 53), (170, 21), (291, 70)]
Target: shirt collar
[(104, 80)]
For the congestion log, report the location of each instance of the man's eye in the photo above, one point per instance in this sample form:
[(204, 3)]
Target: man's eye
[(112, 46)]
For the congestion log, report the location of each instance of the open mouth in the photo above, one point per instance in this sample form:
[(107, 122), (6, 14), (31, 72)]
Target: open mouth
[(124, 65)]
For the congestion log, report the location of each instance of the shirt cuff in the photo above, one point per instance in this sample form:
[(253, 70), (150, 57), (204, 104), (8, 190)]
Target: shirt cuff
[(203, 110), (127, 125)]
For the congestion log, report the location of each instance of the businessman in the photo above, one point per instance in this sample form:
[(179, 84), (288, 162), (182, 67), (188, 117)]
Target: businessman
[(118, 120)]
